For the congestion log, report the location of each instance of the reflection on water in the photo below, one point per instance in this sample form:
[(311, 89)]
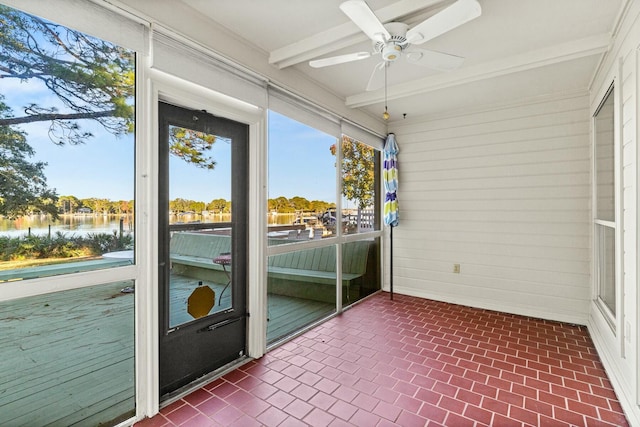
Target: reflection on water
[(282, 218), (84, 224), (72, 224), (187, 217)]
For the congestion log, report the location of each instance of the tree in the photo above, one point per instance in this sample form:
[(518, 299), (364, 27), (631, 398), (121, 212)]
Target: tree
[(358, 163), (23, 185), (68, 204), (192, 146), (125, 206), (92, 78), (299, 203), (196, 207), (320, 206), (183, 205), (358, 172), (98, 206), (219, 205), (281, 205)]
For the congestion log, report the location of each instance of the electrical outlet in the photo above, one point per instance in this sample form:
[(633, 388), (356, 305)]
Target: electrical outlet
[(456, 268)]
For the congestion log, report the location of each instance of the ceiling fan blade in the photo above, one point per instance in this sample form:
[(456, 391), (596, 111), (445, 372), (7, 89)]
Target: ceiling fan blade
[(432, 59), (340, 59), (362, 15), (453, 16), (376, 80)]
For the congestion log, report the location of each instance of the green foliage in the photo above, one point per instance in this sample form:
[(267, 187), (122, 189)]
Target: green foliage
[(179, 205), (23, 185), (68, 204), (299, 203), (358, 168), (219, 206), (99, 243), (58, 246), (192, 146), (61, 245), (124, 206), (102, 206), (283, 205), (320, 206), (93, 79)]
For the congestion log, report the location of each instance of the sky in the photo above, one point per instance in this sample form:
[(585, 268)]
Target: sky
[(300, 162)]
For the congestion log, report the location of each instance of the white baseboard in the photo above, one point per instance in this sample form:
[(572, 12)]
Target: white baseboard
[(472, 301), (625, 395)]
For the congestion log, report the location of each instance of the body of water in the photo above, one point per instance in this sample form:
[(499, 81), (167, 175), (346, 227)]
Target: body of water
[(68, 224), (84, 224)]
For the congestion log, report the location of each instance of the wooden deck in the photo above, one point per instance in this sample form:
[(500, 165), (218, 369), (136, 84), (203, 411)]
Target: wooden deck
[(67, 359), (287, 315), (182, 287)]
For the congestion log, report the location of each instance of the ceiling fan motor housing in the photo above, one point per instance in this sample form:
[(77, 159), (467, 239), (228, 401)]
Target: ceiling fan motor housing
[(392, 49), (391, 52)]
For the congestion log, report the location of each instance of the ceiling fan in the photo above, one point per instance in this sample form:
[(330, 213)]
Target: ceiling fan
[(395, 39)]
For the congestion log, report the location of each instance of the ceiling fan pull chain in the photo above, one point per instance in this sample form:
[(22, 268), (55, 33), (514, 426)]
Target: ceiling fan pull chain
[(385, 115)]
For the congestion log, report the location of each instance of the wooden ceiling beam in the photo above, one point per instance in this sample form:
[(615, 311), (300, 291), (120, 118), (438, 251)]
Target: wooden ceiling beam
[(575, 49), (341, 36)]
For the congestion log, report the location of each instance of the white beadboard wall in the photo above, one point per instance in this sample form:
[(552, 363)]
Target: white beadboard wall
[(619, 347), (629, 306), (506, 194)]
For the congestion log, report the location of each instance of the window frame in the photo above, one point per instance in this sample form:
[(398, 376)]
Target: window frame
[(308, 114), (98, 21), (612, 318), (136, 34)]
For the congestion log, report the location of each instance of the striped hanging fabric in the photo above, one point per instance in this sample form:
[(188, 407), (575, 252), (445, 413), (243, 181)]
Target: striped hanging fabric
[(390, 178)]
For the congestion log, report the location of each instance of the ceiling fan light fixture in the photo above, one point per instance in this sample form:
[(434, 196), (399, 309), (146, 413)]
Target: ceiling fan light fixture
[(393, 39), (391, 52)]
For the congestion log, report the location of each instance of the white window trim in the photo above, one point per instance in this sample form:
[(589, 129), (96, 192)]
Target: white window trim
[(615, 322)]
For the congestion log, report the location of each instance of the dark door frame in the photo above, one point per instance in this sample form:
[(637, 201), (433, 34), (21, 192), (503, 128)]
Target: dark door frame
[(204, 345)]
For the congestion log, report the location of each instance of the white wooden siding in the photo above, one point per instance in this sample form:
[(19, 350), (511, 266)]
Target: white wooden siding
[(629, 190), (506, 194), (618, 349)]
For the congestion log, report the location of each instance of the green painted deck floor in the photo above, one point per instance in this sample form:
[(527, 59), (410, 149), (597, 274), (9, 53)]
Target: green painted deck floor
[(69, 355)]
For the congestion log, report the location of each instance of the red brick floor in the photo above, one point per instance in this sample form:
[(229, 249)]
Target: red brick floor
[(413, 362)]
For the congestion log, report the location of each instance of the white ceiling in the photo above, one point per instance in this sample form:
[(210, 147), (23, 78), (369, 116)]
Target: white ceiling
[(517, 49)]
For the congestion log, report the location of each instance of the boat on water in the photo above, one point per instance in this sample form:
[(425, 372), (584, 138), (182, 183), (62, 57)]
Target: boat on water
[(306, 220)]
